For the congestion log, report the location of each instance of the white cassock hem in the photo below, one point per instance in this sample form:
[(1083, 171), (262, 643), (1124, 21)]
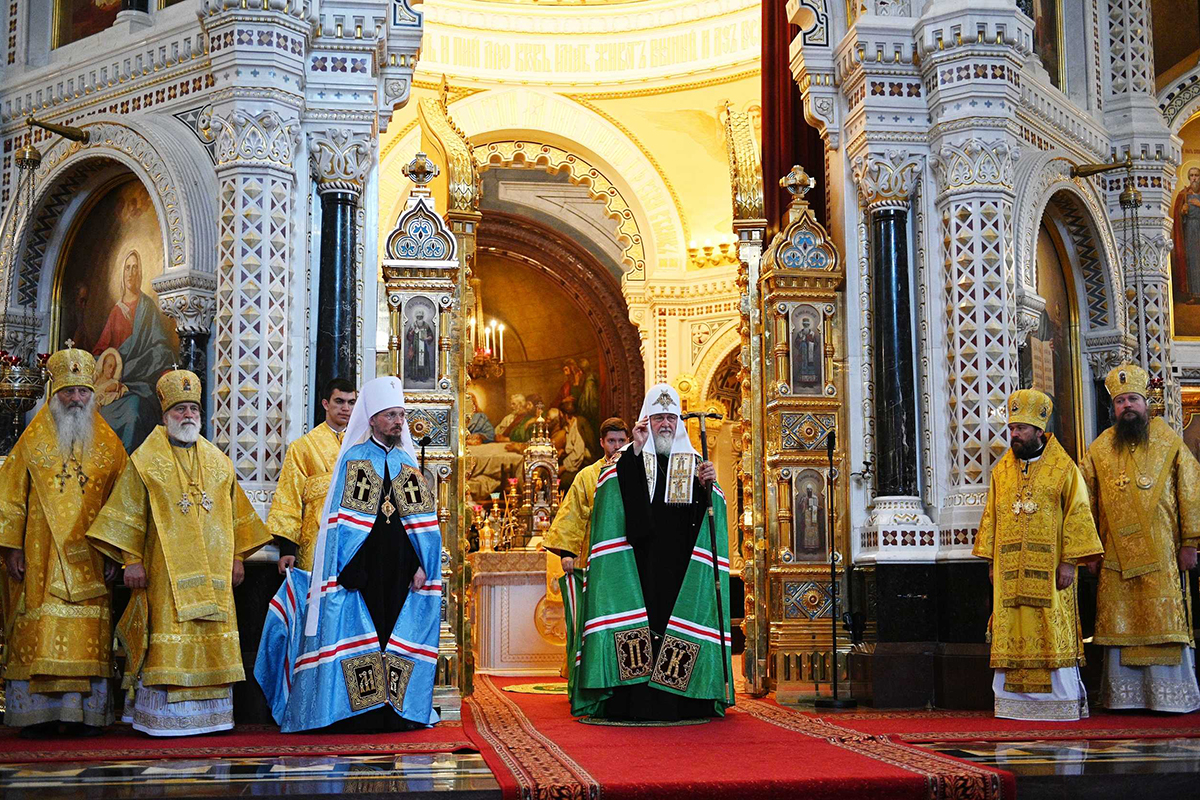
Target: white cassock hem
[(1065, 702), (151, 713), (29, 708), (1155, 688)]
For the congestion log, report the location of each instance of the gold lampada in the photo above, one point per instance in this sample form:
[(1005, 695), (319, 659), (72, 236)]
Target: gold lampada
[(22, 372)]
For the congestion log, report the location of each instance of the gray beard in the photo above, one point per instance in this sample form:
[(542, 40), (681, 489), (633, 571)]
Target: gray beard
[(183, 432), (663, 443), (73, 426)]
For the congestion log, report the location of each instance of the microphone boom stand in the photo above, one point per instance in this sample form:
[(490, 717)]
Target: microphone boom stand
[(835, 702)]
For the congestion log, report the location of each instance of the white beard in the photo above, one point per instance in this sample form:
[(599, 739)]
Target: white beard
[(663, 442), (73, 425), (186, 432)]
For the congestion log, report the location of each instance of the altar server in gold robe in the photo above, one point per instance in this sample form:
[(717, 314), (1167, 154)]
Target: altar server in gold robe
[(295, 516), (182, 526), (1145, 488), (1036, 527), (57, 617), (568, 534)]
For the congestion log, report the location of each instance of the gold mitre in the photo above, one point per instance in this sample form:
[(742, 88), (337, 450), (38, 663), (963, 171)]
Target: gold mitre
[(71, 367), (178, 386), (1031, 407), (1127, 378)]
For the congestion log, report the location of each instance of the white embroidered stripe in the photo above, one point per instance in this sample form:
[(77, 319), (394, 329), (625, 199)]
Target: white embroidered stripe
[(291, 595), (351, 516), (636, 617), (608, 548), (338, 649), (697, 630), (277, 610), (606, 475), (420, 651), (705, 557)]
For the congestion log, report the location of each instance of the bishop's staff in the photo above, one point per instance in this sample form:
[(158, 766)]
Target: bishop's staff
[(712, 534)]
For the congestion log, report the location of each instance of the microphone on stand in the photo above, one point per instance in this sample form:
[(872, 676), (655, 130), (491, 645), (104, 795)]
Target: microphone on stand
[(834, 702), (424, 441)]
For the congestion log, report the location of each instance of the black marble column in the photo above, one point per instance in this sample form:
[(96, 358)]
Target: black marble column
[(895, 385), (193, 356), (336, 345)]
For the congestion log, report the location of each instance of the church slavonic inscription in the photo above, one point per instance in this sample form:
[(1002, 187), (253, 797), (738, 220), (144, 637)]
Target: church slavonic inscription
[(634, 655)]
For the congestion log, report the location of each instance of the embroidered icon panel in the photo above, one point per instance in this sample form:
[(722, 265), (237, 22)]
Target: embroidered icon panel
[(634, 655), (364, 679), (411, 493), (676, 661), (363, 487), (399, 671)]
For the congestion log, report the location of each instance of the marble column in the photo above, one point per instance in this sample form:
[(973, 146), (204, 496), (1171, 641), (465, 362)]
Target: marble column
[(340, 159), (895, 381), (886, 181)]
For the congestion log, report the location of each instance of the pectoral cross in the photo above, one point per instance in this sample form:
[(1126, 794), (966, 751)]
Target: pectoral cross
[(63, 477), (1122, 481)]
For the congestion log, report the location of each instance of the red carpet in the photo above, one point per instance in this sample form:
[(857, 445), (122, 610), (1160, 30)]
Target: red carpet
[(959, 726), (122, 742), (760, 750)]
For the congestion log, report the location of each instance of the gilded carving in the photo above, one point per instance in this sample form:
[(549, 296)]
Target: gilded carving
[(745, 168), (462, 171)]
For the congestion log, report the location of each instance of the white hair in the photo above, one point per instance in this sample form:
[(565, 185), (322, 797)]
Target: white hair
[(73, 425), (186, 432), (663, 440)]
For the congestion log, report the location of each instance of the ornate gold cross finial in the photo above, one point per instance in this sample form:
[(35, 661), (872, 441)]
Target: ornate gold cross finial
[(420, 170), (797, 182)]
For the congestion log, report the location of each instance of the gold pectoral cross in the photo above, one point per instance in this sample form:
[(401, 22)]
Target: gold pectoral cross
[(63, 477), (1122, 481)]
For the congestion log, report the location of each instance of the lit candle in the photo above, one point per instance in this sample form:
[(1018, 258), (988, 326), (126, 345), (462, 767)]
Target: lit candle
[(502, 341), (487, 340), (492, 337)]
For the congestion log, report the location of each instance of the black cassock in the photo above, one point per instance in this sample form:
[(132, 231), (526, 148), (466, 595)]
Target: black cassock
[(381, 571), (662, 537)]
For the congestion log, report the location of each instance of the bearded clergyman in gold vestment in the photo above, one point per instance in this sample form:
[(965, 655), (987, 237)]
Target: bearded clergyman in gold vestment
[(182, 526), (57, 616), (295, 516), (1035, 529), (1145, 488)]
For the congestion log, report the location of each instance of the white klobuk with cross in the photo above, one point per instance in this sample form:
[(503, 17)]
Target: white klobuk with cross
[(423, 282)]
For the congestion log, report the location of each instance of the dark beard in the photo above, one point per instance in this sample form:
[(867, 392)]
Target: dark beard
[(1031, 450), (1132, 432)]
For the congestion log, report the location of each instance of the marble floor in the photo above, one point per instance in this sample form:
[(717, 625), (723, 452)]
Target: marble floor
[(465, 775), (1166, 768), (1162, 768)]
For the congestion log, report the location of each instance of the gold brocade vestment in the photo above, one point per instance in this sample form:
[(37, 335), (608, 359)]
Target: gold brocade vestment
[(57, 621), (181, 631), (303, 483), (1037, 517), (1147, 504), (571, 529)]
